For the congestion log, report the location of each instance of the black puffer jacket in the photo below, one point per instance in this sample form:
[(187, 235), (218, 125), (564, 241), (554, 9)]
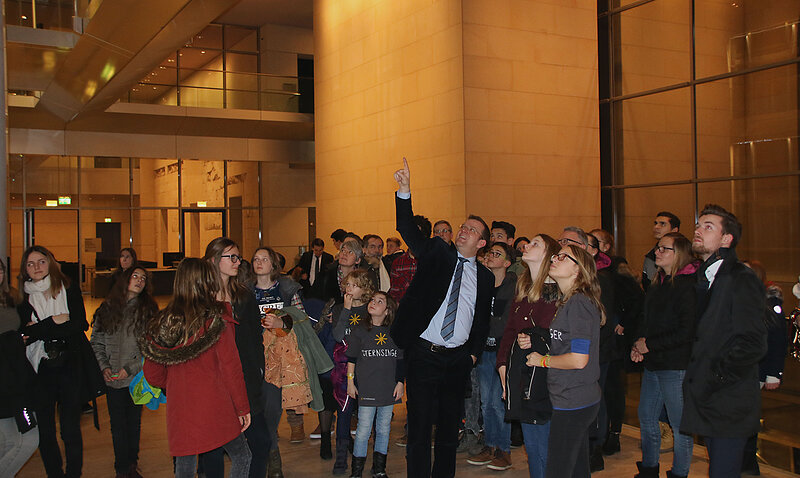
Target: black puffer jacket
[(16, 374), (527, 397)]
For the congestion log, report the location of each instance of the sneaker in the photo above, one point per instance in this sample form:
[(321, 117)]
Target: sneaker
[(484, 457), (501, 460), (666, 437), (316, 434), (402, 441)]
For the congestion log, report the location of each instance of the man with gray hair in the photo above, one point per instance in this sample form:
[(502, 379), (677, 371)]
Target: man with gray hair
[(574, 235)]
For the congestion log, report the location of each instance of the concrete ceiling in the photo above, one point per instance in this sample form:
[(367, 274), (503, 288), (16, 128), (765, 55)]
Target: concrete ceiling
[(254, 13)]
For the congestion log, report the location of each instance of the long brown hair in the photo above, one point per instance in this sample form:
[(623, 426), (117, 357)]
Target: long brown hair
[(6, 294), (391, 309), (586, 283), (111, 313), (236, 285), (194, 299), (683, 253), (530, 289), (273, 259), (57, 278)]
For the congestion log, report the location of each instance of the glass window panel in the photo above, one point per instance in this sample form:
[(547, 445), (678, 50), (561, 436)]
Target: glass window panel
[(241, 63), (202, 97), (242, 184), (57, 230), (767, 209), (245, 100), (639, 207), (202, 182), (241, 38), (209, 37), (201, 78), (14, 181), (155, 182), (111, 230), (733, 36), (748, 124), (192, 59), (153, 94), (156, 231), (656, 138), (50, 177), (200, 228), (653, 44), (105, 181)]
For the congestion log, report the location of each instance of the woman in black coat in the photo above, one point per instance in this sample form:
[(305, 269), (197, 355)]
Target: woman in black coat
[(664, 343)]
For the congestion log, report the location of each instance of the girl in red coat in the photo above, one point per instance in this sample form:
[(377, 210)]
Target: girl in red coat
[(190, 351)]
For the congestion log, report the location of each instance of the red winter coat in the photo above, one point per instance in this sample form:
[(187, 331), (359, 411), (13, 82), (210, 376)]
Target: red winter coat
[(206, 394)]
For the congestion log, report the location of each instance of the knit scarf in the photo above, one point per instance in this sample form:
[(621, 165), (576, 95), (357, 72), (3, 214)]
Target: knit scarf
[(44, 306)]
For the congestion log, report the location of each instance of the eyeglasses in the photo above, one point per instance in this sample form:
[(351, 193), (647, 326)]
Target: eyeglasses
[(663, 249), (561, 256), (470, 229), (496, 254), (441, 231), (564, 241), (233, 257), (591, 245)]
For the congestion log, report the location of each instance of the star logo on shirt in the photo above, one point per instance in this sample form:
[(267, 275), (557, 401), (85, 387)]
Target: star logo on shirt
[(354, 319), (380, 338)]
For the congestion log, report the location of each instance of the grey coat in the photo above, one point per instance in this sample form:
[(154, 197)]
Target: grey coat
[(118, 350)]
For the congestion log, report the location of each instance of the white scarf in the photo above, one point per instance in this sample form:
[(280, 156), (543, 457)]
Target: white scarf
[(44, 306)]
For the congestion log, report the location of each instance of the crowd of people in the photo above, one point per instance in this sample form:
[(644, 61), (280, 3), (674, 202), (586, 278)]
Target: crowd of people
[(495, 341)]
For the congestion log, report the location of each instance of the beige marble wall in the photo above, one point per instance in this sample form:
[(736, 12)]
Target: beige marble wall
[(493, 103)]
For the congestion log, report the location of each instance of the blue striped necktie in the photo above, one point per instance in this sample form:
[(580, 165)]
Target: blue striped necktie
[(449, 323)]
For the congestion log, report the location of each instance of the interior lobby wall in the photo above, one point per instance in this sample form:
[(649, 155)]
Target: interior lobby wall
[(531, 115), (494, 104)]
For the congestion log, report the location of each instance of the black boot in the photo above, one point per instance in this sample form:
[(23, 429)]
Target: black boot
[(274, 466), (379, 465), (670, 474), (646, 471), (596, 462), (340, 465), (325, 446), (358, 466), (611, 446)]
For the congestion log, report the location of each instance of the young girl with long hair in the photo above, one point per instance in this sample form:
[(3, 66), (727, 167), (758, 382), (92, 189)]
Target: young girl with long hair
[(573, 362), (375, 366), (117, 322), (67, 376), (530, 315), (190, 350), (664, 343), (224, 255)]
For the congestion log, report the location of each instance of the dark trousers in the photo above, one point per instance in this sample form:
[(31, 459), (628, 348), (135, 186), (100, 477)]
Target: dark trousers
[(435, 383), (568, 446), (260, 443), (614, 392), (126, 425), (343, 418), (58, 387), (724, 456), (599, 429)]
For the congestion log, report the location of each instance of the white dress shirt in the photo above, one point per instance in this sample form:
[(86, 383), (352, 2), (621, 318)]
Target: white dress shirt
[(465, 312)]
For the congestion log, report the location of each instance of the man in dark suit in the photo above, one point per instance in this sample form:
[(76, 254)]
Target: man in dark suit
[(441, 324), (313, 264), (722, 401)]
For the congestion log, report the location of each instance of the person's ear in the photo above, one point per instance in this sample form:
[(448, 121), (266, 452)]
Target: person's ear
[(481, 243), (727, 239)]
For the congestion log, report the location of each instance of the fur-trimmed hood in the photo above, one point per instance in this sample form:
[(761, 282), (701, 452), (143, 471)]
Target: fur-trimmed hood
[(167, 347)]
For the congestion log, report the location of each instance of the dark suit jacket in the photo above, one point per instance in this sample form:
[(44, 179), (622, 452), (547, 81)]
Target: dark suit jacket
[(721, 391), (436, 262), (305, 265)]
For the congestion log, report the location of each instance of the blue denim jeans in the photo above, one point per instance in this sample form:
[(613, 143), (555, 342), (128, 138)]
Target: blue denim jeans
[(663, 388), (536, 437), (383, 423), (496, 431)]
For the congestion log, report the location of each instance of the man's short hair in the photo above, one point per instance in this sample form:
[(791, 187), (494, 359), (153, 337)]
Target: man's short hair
[(593, 241), (351, 234), (510, 229), (507, 250), (604, 236), (318, 242), (730, 225), (339, 235), (442, 221), (423, 224), (367, 237), (674, 221), (394, 240), (580, 232), (485, 234)]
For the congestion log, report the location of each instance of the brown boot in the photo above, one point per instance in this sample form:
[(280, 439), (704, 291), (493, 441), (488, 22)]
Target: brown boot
[(298, 434)]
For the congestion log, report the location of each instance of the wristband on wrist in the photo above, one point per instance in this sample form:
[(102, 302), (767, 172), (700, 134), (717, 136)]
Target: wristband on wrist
[(545, 359), (351, 376)]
